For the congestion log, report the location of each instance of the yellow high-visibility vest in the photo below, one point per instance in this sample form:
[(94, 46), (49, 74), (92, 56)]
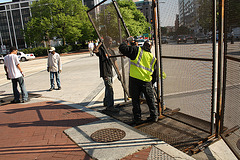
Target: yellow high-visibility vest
[(143, 66)]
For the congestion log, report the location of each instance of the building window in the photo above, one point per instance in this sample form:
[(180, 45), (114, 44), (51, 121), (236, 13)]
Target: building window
[(14, 6), (24, 4), (2, 8)]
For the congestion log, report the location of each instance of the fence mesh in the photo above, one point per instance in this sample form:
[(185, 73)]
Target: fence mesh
[(108, 25), (232, 92), (188, 57)]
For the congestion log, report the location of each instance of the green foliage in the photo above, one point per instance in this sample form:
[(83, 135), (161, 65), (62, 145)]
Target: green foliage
[(63, 49), (134, 19), (205, 14), (164, 30), (183, 30), (233, 12), (38, 51), (65, 19)]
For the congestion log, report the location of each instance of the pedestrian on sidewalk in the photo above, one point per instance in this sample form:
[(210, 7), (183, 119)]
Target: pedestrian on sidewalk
[(91, 47), (15, 73), (54, 66), (142, 67), (106, 73)]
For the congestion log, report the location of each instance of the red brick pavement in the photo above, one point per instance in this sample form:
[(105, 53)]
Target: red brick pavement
[(35, 131)]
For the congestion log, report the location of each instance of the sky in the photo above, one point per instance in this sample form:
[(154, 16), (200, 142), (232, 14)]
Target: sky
[(168, 10), (2, 1)]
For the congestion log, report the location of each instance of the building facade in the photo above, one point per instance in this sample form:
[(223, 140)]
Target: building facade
[(13, 16), (90, 3), (188, 15), (146, 8)]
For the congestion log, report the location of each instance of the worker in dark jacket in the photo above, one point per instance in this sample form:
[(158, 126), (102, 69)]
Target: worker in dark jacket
[(142, 68), (106, 72)]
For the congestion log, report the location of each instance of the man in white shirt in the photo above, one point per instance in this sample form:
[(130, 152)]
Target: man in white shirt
[(91, 47), (54, 66), (15, 73)]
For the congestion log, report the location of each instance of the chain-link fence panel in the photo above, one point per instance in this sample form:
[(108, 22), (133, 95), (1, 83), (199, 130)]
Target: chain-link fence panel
[(187, 57), (232, 85), (111, 31)]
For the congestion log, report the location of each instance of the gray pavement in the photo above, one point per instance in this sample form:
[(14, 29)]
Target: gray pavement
[(83, 89)]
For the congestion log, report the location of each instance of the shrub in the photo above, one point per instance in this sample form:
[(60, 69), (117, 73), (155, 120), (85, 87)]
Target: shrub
[(38, 51), (63, 49)]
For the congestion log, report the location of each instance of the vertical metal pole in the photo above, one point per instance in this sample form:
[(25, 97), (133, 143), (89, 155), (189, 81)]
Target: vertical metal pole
[(157, 55), (20, 9), (213, 109), (9, 30), (1, 38), (14, 33), (122, 61), (224, 65), (160, 58), (220, 67)]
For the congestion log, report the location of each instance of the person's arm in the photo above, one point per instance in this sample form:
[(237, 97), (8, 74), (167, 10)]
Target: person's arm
[(96, 49), (5, 68), (18, 66), (154, 75), (48, 62), (129, 51), (59, 64)]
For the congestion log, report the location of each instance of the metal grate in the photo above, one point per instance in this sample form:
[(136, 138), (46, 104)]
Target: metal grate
[(158, 154), (108, 135)]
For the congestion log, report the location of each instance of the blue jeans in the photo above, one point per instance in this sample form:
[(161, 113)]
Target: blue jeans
[(52, 79), (108, 99), (16, 93)]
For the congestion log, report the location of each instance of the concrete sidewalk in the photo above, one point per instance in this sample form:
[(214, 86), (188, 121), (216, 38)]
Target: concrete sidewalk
[(59, 126)]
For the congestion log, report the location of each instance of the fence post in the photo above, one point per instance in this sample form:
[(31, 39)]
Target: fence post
[(219, 116)]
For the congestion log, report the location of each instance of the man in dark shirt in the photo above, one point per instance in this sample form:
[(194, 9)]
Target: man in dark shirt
[(106, 72), (142, 75)]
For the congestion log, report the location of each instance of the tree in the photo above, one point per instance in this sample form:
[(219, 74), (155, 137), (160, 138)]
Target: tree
[(182, 30), (65, 19), (233, 12), (135, 20), (163, 30), (205, 14)]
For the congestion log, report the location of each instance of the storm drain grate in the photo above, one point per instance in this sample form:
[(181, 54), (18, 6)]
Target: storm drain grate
[(108, 135), (158, 154)]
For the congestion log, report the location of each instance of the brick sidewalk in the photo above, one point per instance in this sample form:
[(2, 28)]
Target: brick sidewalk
[(35, 131)]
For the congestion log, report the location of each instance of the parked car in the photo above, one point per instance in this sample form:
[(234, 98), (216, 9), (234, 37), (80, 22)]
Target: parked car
[(181, 38), (2, 58), (200, 37), (164, 40), (189, 37), (140, 42), (25, 57)]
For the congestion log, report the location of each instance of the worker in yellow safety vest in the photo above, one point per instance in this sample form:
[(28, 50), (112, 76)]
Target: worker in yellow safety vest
[(142, 70)]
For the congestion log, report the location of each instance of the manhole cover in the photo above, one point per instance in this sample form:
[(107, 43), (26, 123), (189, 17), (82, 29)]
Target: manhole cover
[(108, 135), (238, 144)]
